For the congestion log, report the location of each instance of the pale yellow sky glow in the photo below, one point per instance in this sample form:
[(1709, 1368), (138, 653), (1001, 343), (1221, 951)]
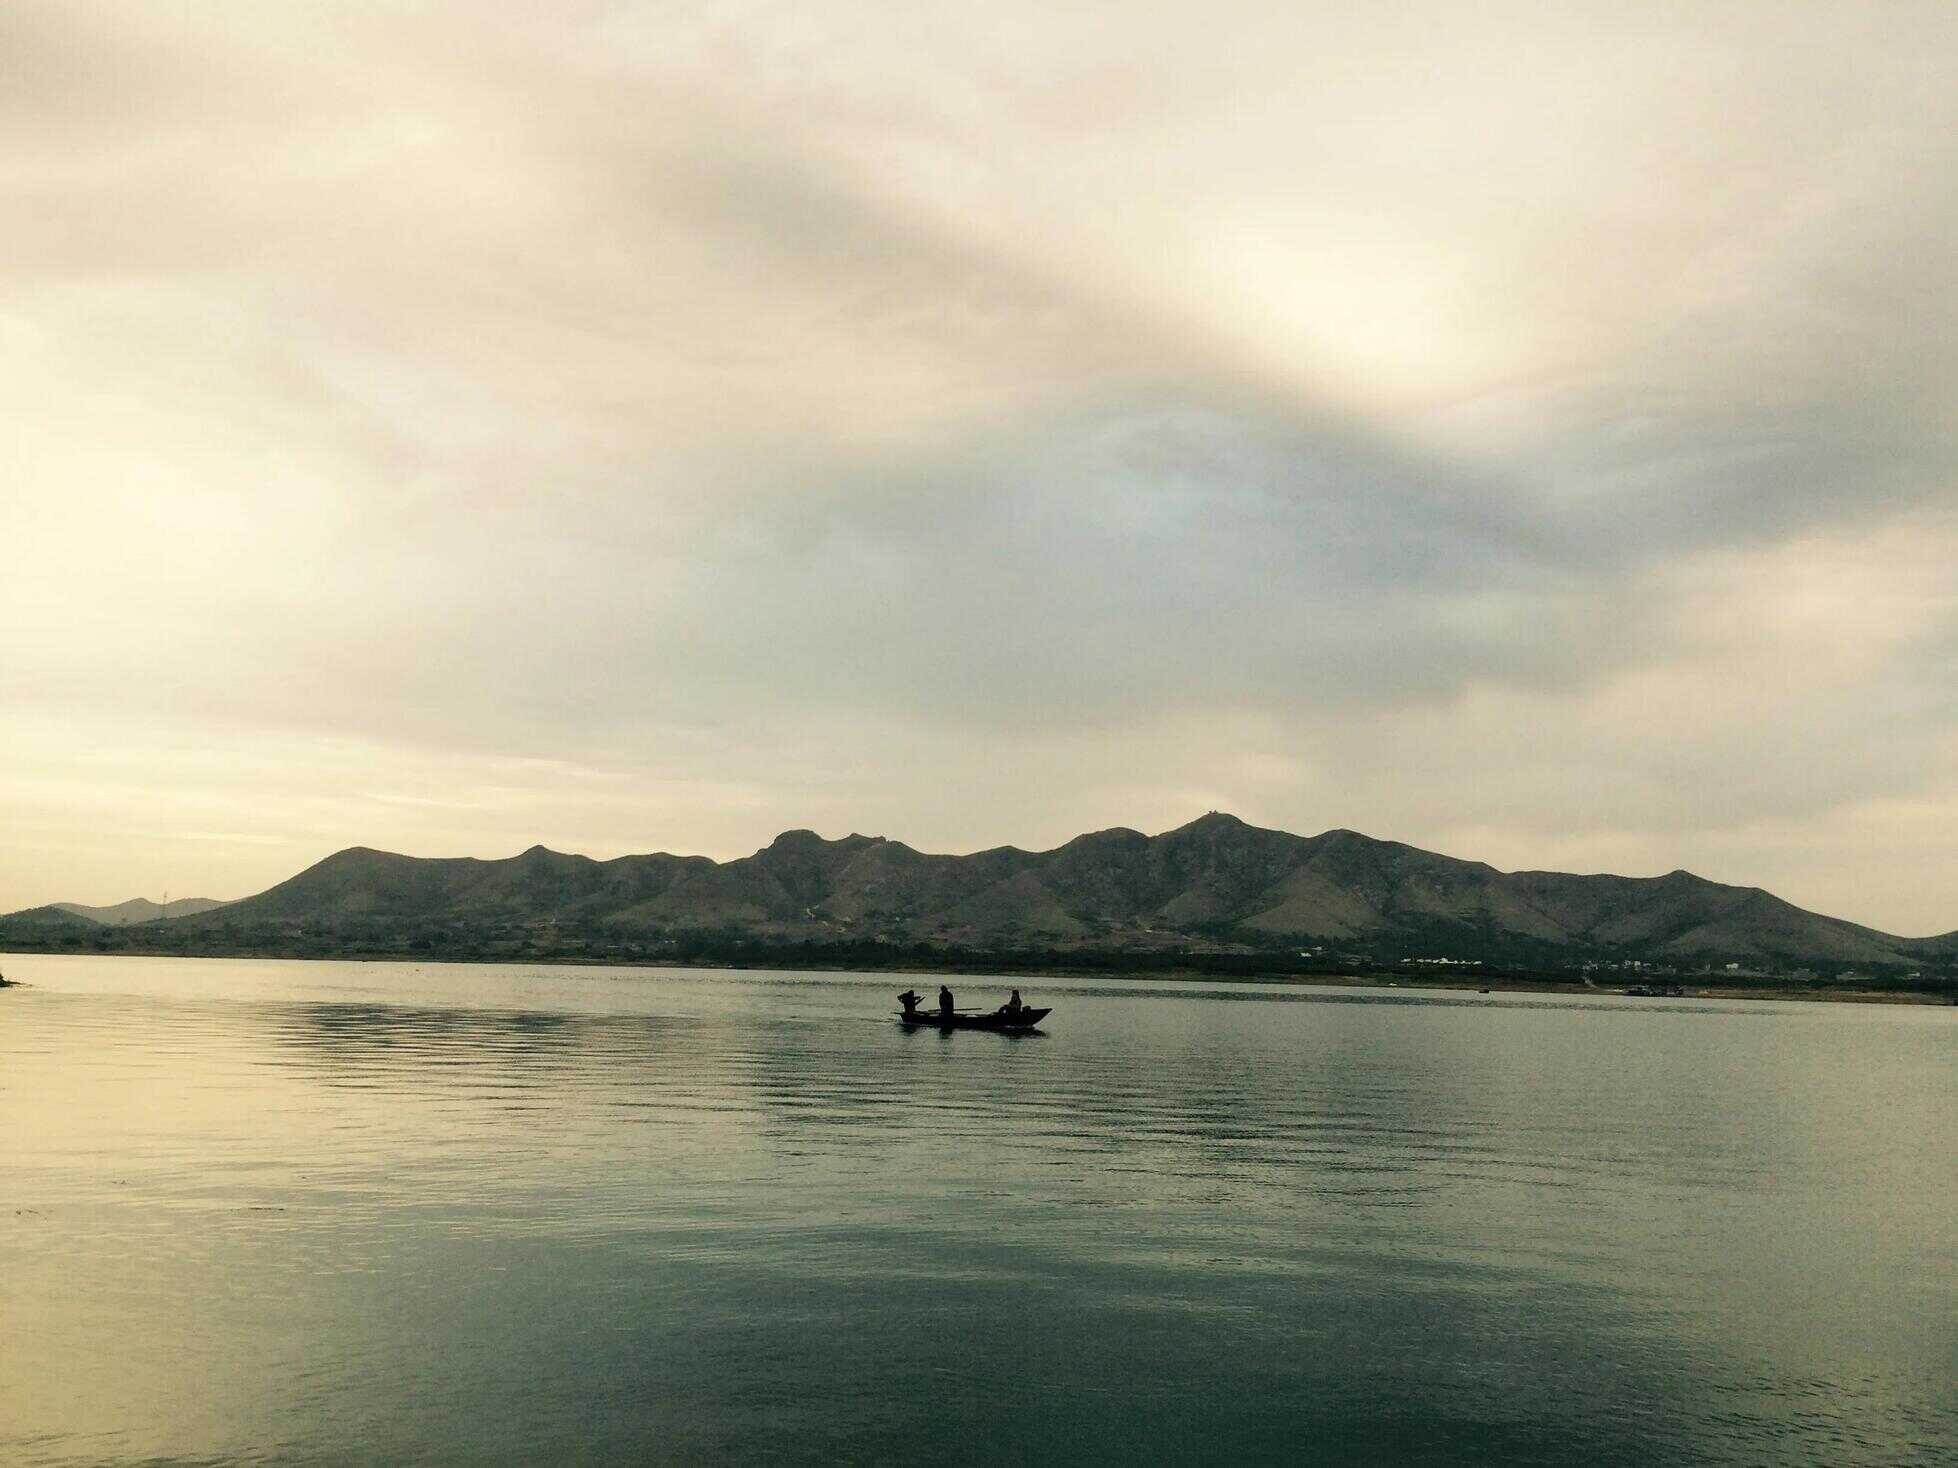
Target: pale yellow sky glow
[(1524, 431)]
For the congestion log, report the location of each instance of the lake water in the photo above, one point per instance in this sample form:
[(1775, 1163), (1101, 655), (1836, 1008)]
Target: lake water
[(388, 1213)]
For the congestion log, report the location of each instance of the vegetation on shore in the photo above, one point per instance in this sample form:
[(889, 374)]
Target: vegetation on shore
[(459, 944)]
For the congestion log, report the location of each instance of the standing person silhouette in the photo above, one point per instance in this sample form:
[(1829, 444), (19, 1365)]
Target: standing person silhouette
[(944, 1001)]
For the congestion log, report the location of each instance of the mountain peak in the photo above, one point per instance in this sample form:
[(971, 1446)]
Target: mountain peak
[(803, 839), (1216, 820), (1115, 834), (356, 857)]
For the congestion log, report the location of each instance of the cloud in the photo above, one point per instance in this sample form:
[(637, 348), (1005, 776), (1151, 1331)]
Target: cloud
[(1527, 432)]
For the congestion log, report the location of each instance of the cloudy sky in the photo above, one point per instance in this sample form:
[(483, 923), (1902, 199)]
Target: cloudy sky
[(1522, 430)]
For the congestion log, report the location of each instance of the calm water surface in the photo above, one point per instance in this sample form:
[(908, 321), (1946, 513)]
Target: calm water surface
[(383, 1213)]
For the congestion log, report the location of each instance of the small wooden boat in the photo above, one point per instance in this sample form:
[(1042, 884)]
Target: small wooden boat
[(992, 1019)]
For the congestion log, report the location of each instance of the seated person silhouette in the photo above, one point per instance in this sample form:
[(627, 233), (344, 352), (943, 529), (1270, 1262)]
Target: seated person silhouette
[(909, 999)]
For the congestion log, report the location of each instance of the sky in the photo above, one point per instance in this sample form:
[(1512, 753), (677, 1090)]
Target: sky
[(1525, 431)]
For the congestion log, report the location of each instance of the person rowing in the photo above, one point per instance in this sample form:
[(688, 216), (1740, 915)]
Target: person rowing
[(909, 999)]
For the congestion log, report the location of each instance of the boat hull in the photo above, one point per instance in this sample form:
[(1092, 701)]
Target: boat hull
[(1026, 1019)]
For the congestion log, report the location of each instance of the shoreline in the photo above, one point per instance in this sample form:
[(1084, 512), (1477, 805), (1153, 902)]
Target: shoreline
[(979, 969)]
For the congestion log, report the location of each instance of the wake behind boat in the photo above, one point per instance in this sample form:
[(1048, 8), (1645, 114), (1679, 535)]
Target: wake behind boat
[(1025, 1019)]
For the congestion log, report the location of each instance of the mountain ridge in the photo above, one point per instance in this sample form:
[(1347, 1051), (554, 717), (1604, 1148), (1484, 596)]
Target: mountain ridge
[(1215, 884), (137, 910)]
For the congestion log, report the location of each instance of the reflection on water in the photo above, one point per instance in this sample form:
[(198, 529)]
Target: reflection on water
[(375, 1213)]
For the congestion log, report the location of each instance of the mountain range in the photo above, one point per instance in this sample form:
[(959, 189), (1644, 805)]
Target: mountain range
[(121, 915), (140, 910), (1216, 885)]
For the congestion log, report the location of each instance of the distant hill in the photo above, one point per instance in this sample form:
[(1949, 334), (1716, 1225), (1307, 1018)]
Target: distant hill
[(32, 920), (1214, 886), (139, 910)]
